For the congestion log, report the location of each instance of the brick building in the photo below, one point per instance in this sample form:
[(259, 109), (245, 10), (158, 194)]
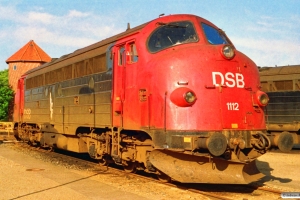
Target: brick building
[(26, 58)]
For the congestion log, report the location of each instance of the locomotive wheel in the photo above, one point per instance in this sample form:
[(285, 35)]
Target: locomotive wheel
[(130, 168), (164, 178)]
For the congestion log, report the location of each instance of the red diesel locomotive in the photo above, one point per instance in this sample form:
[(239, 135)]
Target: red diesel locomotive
[(172, 97)]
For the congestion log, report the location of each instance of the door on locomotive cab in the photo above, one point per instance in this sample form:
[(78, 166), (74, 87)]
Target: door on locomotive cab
[(125, 93)]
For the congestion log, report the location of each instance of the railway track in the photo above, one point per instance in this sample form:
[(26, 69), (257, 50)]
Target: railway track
[(212, 191)]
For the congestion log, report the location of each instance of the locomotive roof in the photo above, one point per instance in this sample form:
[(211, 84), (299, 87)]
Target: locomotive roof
[(270, 71), (88, 48)]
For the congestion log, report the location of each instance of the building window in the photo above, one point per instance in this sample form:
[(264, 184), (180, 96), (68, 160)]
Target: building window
[(15, 67)]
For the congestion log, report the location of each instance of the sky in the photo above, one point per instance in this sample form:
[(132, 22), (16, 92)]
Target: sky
[(267, 31)]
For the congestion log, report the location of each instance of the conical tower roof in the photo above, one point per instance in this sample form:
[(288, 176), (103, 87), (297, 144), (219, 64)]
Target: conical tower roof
[(31, 52)]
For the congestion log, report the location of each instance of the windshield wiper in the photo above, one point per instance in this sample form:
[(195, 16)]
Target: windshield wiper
[(170, 25)]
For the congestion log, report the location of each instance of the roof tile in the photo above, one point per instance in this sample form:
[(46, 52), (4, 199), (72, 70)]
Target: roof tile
[(30, 52)]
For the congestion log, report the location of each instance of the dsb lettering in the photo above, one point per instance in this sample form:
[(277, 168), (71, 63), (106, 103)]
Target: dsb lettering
[(229, 79)]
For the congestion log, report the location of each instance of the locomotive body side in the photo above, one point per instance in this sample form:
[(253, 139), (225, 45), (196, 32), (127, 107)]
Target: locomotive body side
[(65, 101), (282, 112), (162, 97)]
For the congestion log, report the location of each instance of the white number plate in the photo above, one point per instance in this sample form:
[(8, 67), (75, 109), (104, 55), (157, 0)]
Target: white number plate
[(232, 106)]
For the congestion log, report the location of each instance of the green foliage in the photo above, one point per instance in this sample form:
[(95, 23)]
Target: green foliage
[(6, 95)]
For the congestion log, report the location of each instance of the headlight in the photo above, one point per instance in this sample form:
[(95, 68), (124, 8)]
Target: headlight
[(227, 51), (190, 97), (262, 98)]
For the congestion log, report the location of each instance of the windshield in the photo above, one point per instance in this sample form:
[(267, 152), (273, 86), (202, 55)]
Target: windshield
[(171, 34), (214, 36)]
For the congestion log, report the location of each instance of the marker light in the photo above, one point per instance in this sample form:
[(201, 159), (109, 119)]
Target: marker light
[(183, 97), (262, 98), (227, 51)]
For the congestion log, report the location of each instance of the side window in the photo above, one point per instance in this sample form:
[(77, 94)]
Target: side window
[(133, 54), (121, 55)]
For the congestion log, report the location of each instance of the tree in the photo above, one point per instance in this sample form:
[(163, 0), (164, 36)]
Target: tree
[(6, 95)]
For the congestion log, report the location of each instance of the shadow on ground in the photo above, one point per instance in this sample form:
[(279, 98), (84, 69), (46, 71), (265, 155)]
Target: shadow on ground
[(265, 168)]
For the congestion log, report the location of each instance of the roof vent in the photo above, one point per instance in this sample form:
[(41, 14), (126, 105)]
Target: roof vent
[(128, 26)]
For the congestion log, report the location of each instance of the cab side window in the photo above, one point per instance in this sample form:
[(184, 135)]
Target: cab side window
[(133, 54), (121, 56)]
